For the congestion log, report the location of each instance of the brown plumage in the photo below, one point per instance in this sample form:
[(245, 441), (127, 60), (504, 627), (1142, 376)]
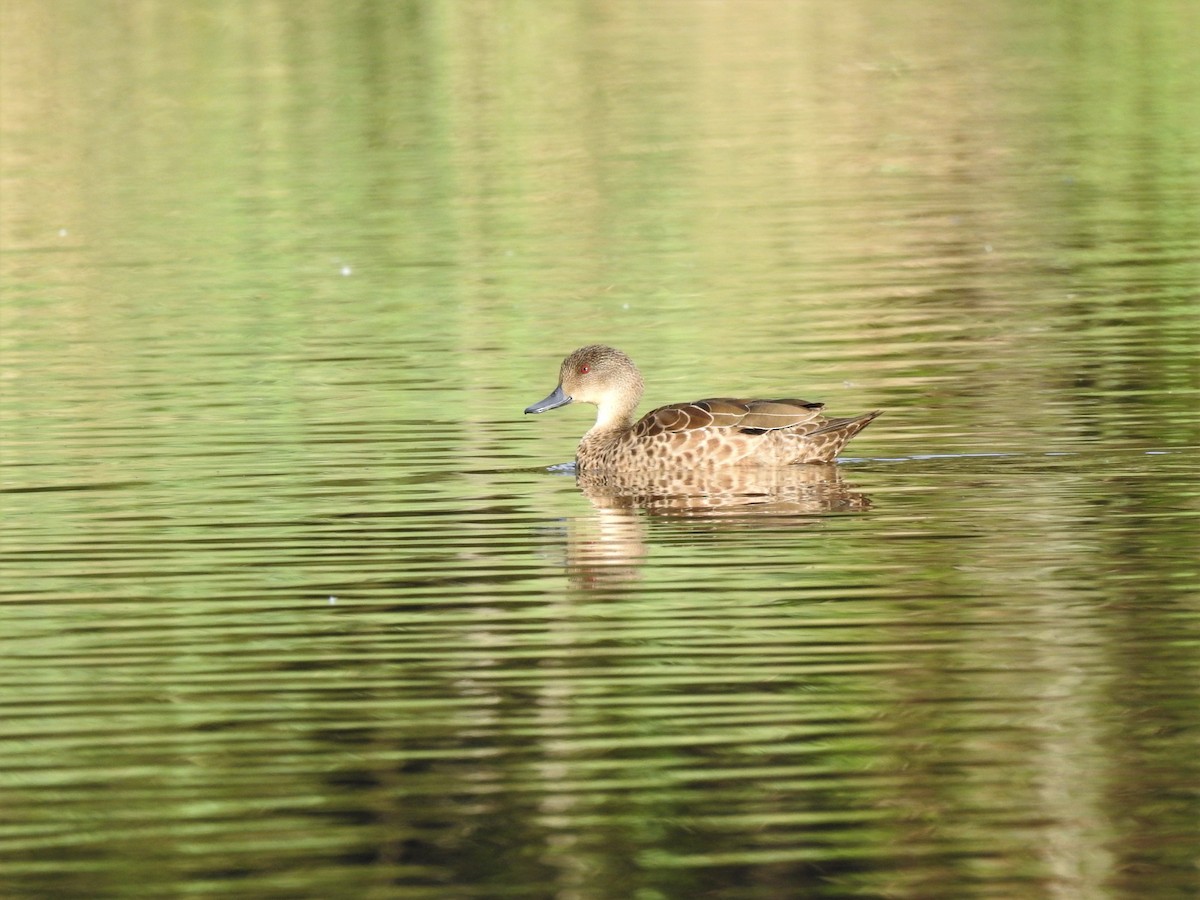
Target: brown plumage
[(717, 432)]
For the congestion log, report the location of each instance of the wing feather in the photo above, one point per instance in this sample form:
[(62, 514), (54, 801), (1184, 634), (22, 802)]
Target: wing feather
[(755, 416)]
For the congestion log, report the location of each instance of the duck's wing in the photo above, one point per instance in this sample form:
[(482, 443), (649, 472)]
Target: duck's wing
[(750, 416)]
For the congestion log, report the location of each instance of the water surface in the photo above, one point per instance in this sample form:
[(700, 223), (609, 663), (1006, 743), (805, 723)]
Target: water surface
[(296, 603)]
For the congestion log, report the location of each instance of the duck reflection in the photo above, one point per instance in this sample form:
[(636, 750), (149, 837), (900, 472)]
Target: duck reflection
[(730, 492), (608, 548)]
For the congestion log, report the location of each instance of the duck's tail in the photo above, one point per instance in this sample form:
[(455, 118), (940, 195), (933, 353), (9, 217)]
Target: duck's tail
[(824, 444)]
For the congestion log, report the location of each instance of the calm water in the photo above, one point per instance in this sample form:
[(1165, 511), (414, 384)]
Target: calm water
[(295, 603)]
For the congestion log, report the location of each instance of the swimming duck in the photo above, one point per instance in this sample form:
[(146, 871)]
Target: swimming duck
[(718, 432)]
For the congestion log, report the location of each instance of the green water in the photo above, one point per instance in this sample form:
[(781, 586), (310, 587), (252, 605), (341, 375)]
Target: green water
[(290, 603)]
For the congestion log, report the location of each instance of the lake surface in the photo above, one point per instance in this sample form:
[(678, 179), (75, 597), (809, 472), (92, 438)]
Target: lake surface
[(297, 603)]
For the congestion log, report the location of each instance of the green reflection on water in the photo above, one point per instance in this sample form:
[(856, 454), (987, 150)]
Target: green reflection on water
[(283, 608)]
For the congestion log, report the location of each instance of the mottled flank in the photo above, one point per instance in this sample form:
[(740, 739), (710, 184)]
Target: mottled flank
[(718, 432)]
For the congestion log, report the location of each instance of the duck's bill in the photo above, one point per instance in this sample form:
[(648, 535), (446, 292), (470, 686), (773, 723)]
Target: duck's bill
[(556, 399)]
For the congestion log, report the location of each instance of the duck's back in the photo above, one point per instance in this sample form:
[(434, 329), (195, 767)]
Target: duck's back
[(732, 414)]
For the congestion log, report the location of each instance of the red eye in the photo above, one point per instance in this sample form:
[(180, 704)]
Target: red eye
[(584, 369)]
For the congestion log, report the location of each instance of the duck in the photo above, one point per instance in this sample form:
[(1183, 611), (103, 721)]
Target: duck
[(721, 431)]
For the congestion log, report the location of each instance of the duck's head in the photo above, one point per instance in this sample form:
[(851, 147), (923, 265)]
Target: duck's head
[(601, 375)]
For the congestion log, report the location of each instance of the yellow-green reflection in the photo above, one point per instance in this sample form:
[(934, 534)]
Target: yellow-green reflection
[(289, 608)]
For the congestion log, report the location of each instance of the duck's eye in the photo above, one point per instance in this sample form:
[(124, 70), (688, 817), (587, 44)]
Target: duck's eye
[(584, 369)]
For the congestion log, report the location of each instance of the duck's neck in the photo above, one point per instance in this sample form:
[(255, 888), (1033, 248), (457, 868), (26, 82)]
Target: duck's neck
[(613, 416)]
